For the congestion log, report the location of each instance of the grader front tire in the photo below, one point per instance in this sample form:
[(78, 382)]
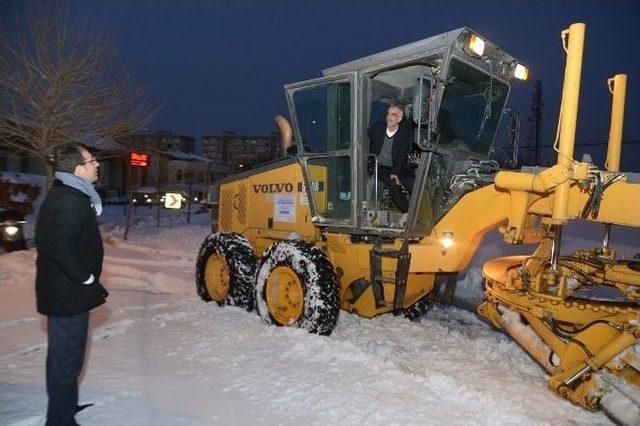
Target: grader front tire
[(296, 286), (225, 270)]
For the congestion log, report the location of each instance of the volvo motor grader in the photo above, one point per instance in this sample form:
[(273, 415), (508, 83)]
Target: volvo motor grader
[(304, 236)]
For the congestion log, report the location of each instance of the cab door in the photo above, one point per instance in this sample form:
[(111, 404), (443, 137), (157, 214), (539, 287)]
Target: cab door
[(324, 112)]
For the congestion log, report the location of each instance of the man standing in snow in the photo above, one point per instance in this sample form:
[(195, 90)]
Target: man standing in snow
[(68, 267)]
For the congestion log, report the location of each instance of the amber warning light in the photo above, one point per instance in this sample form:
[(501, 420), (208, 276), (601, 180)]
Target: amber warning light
[(138, 159)]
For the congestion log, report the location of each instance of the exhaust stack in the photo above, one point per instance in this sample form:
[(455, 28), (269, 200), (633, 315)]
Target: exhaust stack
[(286, 135)]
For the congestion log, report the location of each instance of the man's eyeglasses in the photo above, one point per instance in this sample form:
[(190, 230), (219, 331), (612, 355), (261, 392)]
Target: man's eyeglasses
[(92, 161)]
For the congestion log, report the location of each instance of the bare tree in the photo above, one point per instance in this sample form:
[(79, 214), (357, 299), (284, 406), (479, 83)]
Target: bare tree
[(59, 82)]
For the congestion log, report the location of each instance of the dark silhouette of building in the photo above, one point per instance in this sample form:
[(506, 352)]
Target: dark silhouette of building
[(162, 141), (240, 152)]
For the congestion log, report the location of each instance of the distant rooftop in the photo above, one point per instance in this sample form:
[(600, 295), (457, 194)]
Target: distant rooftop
[(181, 155), (101, 144)]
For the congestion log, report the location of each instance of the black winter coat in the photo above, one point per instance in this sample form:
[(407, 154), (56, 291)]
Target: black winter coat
[(69, 251), (402, 145)]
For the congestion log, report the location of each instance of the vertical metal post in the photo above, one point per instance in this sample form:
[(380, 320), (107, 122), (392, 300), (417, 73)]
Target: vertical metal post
[(189, 207), (606, 237), (129, 194), (189, 198), (125, 184), (515, 138), (555, 248), (573, 43), (536, 117), (158, 189), (128, 223), (158, 210), (618, 87)]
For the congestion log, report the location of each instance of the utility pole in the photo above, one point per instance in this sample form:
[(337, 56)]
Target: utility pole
[(128, 194), (189, 199), (535, 125), (157, 147), (514, 137)]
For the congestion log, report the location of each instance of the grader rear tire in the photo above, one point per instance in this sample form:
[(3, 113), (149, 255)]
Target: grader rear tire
[(225, 270), (296, 286)]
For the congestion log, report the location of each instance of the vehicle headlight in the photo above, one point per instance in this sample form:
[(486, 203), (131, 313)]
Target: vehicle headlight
[(11, 230), (521, 72), (447, 240), (476, 44)]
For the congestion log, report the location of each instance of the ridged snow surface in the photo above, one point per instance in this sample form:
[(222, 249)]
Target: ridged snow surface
[(158, 355)]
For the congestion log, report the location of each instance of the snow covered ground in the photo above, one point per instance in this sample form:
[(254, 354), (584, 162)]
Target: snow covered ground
[(158, 355)]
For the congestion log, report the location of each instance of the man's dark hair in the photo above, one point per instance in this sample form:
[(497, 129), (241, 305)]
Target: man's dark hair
[(68, 156)]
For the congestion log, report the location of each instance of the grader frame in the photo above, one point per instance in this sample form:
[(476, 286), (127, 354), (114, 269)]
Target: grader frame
[(300, 237)]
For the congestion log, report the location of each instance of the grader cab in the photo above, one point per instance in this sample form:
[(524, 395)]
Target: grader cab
[(302, 237)]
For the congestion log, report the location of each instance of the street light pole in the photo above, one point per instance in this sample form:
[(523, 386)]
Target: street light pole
[(158, 185), (128, 195)]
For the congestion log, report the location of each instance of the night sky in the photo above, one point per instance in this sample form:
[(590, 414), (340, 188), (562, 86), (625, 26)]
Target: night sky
[(221, 65)]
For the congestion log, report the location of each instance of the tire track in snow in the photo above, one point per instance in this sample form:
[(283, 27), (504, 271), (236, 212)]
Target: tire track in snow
[(111, 329), (101, 333), (186, 263), (17, 322), (24, 352), (157, 283), (129, 267), (457, 357), (118, 244), (440, 368)]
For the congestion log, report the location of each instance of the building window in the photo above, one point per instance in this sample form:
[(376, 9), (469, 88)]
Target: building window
[(179, 175)]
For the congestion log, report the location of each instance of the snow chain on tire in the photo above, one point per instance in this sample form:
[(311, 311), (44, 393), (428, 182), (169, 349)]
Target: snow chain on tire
[(241, 263), (317, 278), (420, 308)]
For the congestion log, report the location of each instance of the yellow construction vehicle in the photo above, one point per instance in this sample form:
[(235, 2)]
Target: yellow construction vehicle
[(306, 235)]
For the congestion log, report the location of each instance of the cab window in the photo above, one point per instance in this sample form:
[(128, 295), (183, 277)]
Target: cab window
[(323, 116)]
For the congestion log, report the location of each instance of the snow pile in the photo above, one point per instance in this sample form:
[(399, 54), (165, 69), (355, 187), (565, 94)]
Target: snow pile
[(576, 235)]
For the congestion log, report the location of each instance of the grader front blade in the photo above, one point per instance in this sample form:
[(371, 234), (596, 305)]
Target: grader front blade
[(586, 335)]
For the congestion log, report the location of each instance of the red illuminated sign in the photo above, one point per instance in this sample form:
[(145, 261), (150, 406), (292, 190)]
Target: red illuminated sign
[(139, 159)]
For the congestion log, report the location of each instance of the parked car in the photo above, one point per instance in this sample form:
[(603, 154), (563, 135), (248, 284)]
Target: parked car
[(11, 230)]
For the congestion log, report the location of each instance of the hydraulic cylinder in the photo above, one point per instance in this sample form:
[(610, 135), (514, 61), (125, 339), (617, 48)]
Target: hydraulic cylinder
[(573, 43), (618, 88)]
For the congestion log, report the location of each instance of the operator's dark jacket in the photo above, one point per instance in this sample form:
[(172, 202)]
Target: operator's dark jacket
[(69, 251), (402, 145)]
